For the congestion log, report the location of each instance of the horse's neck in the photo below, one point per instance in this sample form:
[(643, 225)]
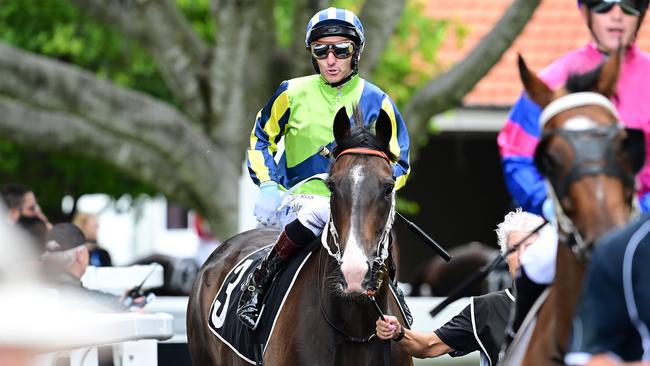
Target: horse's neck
[(569, 273)]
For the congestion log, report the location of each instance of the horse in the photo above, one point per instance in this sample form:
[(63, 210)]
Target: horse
[(438, 278), (328, 317), (589, 161)]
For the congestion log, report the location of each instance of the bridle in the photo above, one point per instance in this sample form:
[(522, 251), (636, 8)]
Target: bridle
[(593, 150), (378, 270), (330, 234)]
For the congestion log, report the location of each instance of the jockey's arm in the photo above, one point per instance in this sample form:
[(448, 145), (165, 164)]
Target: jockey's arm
[(399, 143), (268, 128)]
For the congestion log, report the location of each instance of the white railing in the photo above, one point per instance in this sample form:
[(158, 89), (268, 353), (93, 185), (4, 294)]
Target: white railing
[(38, 318), (134, 338)]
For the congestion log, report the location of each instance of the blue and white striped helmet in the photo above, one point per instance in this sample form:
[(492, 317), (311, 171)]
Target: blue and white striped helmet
[(335, 22)]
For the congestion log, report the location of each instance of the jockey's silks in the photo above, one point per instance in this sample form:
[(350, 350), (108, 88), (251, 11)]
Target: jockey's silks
[(302, 110), (520, 135)]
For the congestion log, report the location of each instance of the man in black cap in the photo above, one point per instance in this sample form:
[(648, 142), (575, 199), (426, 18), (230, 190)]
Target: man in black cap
[(66, 260)]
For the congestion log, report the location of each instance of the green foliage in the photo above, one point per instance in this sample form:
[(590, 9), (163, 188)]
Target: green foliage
[(407, 207), (53, 176), (283, 14), (420, 37), (58, 29), (198, 14)]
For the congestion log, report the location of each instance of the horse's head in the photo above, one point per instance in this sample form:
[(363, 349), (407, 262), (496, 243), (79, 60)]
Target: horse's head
[(362, 201), (585, 153)]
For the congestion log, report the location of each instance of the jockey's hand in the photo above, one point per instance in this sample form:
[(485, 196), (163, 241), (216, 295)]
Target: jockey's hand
[(388, 329), (266, 207)]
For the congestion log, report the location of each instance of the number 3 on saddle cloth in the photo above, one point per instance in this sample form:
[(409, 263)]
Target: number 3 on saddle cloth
[(223, 321)]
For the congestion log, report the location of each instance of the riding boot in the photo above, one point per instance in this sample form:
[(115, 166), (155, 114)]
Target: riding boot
[(259, 281)]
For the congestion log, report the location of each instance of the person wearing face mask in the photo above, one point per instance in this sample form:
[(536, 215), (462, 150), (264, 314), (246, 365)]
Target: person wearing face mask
[(302, 112), (612, 23)]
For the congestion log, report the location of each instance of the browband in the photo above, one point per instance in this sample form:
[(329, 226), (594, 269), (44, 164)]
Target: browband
[(575, 100), (364, 151)]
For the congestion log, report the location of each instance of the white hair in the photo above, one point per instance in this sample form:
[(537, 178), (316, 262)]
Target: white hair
[(517, 221)]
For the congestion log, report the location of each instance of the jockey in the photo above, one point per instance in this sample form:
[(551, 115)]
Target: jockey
[(302, 111), (610, 22)]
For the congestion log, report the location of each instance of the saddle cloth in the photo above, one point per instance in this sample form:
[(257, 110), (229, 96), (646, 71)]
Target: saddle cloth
[(223, 321)]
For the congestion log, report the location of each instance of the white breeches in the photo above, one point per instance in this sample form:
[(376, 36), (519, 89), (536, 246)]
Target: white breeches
[(312, 211)]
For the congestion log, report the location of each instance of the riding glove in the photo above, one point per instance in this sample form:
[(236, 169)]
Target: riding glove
[(267, 204)]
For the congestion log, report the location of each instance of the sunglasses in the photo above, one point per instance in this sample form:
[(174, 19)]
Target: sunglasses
[(604, 6), (340, 50)]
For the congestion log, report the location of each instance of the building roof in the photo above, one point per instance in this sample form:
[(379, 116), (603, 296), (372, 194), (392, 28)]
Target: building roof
[(555, 28)]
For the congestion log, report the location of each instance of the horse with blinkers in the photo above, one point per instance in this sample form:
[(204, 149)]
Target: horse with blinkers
[(589, 160)]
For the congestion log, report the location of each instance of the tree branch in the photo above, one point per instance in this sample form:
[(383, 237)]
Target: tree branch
[(447, 90), (130, 117), (59, 131), (236, 24), (379, 18), (182, 57)]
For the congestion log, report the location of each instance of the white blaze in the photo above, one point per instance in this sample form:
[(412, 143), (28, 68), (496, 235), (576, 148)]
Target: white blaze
[(354, 262)]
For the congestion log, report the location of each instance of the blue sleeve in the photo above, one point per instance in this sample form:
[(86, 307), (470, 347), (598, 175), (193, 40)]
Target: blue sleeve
[(517, 142)]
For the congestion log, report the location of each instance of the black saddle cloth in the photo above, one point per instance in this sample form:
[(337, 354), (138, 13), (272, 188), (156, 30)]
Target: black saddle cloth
[(223, 321)]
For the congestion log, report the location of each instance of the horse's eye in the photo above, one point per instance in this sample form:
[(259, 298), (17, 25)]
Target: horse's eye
[(389, 190)]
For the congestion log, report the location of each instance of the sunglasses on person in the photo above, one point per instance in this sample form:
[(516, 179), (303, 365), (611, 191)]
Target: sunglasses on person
[(604, 6), (340, 50)]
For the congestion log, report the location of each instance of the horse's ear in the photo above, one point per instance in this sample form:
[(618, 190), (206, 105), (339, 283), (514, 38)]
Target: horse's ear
[(383, 129), (536, 88), (609, 74), (341, 125)]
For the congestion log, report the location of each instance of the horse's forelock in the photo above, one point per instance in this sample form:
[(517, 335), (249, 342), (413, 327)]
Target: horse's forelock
[(587, 81)]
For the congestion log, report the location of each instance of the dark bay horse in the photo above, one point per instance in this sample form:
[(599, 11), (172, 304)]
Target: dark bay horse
[(590, 161), (436, 277), (327, 305)]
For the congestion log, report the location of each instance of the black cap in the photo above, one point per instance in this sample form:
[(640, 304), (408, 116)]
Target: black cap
[(64, 236)]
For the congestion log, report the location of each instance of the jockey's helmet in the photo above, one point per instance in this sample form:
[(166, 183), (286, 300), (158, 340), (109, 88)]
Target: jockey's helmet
[(336, 22)]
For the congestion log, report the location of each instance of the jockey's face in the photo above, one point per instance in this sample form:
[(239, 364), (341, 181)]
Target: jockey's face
[(331, 68), (513, 257), (611, 28)]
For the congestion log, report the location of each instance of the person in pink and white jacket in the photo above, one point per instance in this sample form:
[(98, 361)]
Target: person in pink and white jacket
[(610, 23)]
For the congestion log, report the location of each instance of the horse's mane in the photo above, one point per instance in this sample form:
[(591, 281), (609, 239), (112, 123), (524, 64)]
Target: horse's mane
[(583, 82), (361, 137)]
